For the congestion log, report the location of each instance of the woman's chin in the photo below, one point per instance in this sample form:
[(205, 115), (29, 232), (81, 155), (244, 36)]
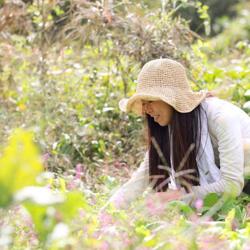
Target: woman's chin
[(162, 123)]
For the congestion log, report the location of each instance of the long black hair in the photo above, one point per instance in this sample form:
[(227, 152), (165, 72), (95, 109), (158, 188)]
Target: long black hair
[(186, 131)]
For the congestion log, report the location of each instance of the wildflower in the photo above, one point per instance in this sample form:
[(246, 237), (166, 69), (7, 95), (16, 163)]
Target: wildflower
[(79, 171), (71, 185), (155, 207), (45, 157), (120, 164), (105, 219), (198, 204), (104, 246), (119, 201)]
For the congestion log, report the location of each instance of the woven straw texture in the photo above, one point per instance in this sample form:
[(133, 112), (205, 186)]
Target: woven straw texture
[(163, 79)]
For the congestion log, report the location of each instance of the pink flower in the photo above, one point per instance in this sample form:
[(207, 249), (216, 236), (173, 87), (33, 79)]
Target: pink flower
[(119, 201), (45, 157), (79, 171), (120, 164), (126, 240), (198, 204), (105, 219), (105, 246), (82, 213), (71, 185), (96, 234), (155, 207)]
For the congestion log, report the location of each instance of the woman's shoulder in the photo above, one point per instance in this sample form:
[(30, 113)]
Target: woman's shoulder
[(216, 108), (221, 113), (215, 102)]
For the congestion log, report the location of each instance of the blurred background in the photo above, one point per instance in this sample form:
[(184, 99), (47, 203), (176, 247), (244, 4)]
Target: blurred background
[(64, 65)]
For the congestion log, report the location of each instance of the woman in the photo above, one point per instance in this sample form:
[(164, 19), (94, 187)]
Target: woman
[(197, 143)]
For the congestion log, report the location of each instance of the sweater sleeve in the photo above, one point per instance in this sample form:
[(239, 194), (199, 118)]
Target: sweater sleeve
[(134, 187), (231, 154)]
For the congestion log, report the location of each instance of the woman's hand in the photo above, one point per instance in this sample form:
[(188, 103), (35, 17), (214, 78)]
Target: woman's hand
[(156, 202), (169, 195)]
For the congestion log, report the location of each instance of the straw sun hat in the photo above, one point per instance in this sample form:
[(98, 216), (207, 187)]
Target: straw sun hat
[(166, 80)]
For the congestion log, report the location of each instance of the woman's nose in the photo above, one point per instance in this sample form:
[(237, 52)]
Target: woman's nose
[(147, 108)]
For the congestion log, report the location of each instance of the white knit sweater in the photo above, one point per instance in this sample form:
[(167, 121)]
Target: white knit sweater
[(229, 135)]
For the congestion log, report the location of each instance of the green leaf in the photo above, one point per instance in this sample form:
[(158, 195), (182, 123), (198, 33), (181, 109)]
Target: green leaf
[(142, 231), (19, 166), (229, 219), (74, 201), (181, 206), (210, 200), (43, 218)]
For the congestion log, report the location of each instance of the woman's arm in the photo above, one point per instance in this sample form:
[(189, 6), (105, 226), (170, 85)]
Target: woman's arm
[(133, 187), (227, 129)]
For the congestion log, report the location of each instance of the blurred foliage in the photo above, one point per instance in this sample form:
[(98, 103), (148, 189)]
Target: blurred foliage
[(64, 66), (216, 9), (229, 81), (61, 218), (65, 83), (236, 32), (19, 166)]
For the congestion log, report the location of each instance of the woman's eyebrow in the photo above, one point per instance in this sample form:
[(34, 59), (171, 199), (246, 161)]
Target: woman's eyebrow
[(145, 102)]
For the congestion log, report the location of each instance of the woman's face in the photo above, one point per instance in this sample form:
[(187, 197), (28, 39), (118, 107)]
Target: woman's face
[(159, 110)]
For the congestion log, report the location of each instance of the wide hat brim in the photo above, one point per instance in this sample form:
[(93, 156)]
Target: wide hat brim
[(183, 103)]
